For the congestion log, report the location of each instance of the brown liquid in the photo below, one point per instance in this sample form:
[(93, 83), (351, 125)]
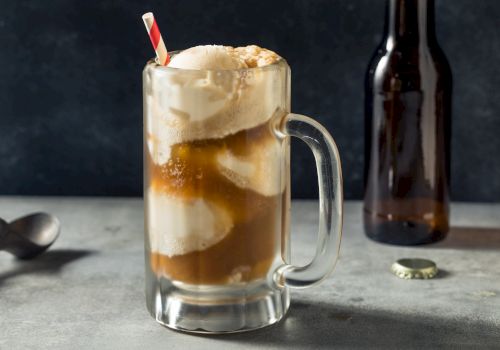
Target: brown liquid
[(247, 251), (407, 221)]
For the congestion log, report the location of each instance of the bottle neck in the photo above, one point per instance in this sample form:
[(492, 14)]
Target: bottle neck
[(409, 21)]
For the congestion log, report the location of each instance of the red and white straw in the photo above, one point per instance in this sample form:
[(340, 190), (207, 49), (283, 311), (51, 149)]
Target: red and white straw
[(156, 39)]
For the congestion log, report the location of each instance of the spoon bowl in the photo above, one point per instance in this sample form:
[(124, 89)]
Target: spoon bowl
[(30, 235)]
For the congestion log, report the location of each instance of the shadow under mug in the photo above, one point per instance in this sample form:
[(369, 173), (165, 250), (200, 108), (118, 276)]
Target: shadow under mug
[(217, 197)]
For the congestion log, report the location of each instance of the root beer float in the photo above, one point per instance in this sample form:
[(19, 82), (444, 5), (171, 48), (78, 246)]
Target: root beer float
[(215, 175), (217, 129)]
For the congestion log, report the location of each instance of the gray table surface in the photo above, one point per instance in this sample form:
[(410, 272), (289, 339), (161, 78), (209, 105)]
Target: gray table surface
[(87, 291)]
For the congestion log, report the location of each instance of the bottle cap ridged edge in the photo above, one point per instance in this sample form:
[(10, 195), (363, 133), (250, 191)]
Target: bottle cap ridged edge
[(414, 269)]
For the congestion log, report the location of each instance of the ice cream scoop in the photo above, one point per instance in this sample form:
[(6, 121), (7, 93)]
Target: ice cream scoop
[(183, 226), (29, 236), (219, 57), (256, 169), (212, 57)]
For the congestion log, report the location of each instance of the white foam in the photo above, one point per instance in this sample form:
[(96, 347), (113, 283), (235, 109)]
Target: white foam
[(194, 105)]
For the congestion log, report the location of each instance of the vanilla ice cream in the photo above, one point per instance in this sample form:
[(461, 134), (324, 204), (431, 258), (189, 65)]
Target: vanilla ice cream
[(179, 226), (211, 57), (257, 170)]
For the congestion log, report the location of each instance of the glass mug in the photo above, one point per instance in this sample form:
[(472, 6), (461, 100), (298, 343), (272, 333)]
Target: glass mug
[(217, 197)]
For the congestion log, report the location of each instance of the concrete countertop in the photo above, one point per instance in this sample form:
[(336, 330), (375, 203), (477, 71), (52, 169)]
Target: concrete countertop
[(87, 292)]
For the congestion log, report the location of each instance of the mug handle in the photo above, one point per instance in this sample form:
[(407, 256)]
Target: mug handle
[(329, 172)]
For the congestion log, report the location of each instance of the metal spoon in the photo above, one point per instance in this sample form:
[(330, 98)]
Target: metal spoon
[(30, 235)]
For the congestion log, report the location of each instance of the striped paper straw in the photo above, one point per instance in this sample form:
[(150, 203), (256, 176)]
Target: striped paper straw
[(156, 39)]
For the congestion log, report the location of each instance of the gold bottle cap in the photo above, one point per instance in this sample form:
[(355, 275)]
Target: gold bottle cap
[(414, 269)]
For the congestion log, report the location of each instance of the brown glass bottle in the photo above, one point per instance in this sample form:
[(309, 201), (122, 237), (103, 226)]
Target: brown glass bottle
[(407, 130)]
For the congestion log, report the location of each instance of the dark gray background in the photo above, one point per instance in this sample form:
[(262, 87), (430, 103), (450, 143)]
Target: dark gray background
[(70, 84)]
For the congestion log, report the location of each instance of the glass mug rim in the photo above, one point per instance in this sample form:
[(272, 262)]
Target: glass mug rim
[(268, 67)]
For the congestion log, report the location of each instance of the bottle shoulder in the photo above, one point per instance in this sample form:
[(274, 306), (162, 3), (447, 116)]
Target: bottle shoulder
[(404, 67)]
